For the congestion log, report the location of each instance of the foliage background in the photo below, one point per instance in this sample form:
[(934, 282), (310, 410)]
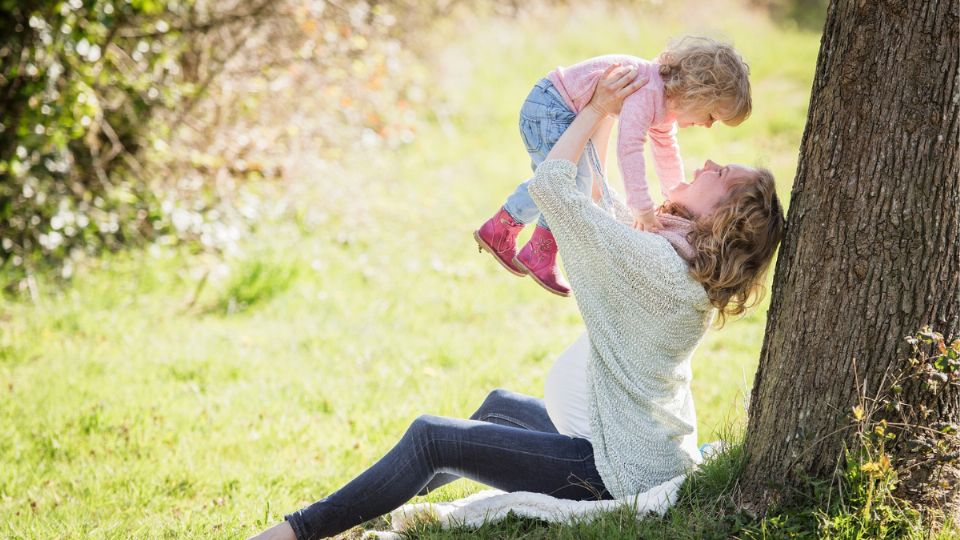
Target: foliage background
[(299, 194), (127, 122)]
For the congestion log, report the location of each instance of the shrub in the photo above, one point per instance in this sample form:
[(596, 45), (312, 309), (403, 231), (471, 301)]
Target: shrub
[(132, 121)]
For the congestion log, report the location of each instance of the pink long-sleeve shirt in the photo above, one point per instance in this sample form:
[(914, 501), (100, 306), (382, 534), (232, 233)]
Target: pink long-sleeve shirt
[(644, 114)]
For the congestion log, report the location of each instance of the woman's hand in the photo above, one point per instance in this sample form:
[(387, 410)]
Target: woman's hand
[(616, 83)]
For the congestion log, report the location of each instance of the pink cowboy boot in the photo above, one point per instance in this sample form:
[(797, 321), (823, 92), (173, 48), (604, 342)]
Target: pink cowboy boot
[(539, 259), (499, 236)]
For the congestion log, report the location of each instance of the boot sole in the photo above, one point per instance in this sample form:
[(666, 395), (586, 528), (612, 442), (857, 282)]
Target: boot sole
[(517, 262), (484, 246)]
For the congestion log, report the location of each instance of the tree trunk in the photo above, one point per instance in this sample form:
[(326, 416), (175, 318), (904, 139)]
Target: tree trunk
[(872, 249)]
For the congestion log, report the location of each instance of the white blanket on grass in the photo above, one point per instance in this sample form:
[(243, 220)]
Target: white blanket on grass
[(494, 505)]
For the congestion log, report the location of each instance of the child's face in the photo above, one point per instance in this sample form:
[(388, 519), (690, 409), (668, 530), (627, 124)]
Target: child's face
[(695, 117)]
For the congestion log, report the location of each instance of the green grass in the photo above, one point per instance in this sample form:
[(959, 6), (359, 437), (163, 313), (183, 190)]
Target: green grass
[(164, 394)]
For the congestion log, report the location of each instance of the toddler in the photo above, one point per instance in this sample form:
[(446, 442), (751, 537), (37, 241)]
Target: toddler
[(695, 82)]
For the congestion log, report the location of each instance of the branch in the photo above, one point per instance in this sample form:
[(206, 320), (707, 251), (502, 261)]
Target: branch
[(188, 107), (201, 26)]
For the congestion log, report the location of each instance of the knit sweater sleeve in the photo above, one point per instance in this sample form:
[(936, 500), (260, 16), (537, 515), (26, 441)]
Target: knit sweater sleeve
[(604, 253)]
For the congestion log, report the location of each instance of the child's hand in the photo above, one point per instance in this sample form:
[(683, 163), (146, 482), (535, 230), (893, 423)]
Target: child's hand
[(616, 83), (645, 220)]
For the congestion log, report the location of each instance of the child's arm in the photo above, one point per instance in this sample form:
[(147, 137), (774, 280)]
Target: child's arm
[(666, 157), (636, 118), (601, 140)]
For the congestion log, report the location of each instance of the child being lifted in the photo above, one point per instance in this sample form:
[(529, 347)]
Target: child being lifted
[(695, 82)]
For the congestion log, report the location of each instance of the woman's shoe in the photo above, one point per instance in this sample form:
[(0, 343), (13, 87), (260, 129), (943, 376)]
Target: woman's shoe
[(539, 259), (499, 237)]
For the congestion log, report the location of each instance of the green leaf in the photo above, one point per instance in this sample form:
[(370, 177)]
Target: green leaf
[(927, 335), (147, 7)]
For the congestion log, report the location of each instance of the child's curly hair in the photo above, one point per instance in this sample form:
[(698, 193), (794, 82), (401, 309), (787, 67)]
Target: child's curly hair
[(705, 74), (734, 244)]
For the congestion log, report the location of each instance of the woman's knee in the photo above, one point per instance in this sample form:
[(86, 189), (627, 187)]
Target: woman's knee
[(499, 395), (494, 401), (425, 424)]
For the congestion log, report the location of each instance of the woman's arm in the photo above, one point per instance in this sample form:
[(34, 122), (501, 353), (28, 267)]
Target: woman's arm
[(601, 140)]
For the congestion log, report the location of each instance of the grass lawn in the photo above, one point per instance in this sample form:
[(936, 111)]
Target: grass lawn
[(137, 403)]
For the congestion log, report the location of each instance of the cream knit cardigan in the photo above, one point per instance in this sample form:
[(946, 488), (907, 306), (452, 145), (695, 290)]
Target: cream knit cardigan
[(645, 315)]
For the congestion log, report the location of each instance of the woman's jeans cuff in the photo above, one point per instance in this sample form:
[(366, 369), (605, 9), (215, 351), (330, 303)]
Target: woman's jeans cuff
[(296, 522)]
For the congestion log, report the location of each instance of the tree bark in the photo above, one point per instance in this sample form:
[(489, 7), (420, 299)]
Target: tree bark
[(872, 248)]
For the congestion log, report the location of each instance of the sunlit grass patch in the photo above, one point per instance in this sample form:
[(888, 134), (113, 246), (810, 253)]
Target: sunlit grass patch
[(254, 281)]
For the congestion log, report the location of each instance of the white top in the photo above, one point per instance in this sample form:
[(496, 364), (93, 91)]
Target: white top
[(565, 392)]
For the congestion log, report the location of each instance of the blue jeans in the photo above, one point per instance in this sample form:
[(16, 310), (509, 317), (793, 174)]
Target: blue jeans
[(543, 119), (509, 443)]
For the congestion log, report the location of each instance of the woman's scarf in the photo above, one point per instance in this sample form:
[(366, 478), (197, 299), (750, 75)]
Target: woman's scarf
[(675, 229)]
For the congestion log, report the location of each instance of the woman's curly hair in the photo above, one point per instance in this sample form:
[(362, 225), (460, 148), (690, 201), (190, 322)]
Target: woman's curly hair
[(704, 74), (734, 244)]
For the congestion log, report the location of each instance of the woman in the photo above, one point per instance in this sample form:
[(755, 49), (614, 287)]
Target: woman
[(622, 420)]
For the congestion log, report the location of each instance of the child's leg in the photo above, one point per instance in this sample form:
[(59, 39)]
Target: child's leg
[(543, 118), (519, 204)]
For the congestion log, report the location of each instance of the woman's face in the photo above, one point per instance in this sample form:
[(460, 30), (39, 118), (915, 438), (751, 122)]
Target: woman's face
[(709, 187)]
